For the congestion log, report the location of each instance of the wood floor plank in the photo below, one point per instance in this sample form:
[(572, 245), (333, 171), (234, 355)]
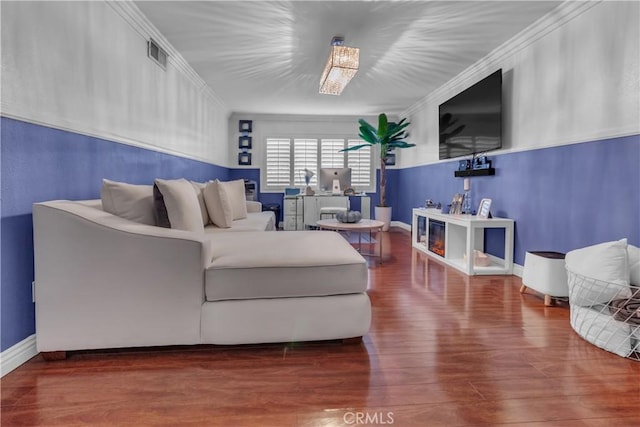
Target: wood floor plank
[(444, 349)]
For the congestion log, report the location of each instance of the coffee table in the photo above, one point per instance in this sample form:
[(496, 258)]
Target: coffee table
[(364, 225)]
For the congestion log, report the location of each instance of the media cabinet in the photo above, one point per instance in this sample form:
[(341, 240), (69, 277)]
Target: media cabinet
[(462, 234)]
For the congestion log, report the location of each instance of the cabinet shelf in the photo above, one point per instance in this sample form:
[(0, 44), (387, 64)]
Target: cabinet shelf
[(475, 172)]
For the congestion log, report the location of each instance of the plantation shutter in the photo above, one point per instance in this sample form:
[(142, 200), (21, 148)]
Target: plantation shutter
[(360, 163), (330, 155), (278, 159), (305, 156)]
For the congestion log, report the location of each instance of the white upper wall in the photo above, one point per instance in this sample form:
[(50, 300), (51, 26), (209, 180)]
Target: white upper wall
[(572, 77), (82, 67)]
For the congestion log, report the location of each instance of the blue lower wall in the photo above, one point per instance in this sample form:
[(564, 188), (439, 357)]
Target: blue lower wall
[(561, 198), (41, 163)]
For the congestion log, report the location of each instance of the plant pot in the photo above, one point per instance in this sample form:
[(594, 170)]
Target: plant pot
[(384, 214)]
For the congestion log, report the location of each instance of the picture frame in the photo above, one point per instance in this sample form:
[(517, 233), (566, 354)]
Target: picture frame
[(244, 159), (456, 204), (245, 125), (484, 209), (390, 160), (245, 142)]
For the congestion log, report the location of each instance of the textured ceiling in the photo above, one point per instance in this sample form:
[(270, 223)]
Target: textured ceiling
[(267, 56)]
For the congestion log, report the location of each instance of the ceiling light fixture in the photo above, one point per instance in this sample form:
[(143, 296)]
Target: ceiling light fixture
[(340, 68)]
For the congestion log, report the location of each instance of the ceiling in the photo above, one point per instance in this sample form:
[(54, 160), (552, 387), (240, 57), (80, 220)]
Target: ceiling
[(267, 56)]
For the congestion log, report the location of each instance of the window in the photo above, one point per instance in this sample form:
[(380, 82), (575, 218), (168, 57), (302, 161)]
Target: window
[(360, 163), (305, 156), (278, 167), (286, 159)]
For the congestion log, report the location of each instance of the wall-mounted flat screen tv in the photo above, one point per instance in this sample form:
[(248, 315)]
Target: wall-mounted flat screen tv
[(471, 122)]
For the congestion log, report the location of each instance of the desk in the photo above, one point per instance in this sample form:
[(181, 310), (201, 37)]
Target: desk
[(301, 212), (463, 234), (363, 225)]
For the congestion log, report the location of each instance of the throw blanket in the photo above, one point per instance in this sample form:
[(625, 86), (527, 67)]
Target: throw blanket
[(628, 309)]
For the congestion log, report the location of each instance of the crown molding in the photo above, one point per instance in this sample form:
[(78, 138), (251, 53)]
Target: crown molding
[(555, 19), (141, 24)]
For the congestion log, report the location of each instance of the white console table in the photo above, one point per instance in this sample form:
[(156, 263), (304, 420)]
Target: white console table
[(463, 234)]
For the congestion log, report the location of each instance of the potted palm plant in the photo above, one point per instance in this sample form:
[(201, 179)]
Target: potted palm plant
[(388, 137)]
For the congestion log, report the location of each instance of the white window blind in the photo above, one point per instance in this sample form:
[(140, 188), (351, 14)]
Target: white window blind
[(330, 155), (360, 163), (305, 156), (278, 159), (286, 159)]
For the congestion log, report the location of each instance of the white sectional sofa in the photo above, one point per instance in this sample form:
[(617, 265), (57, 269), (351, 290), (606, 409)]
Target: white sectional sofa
[(102, 281)]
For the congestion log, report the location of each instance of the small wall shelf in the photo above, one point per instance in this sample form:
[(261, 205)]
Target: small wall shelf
[(475, 172)]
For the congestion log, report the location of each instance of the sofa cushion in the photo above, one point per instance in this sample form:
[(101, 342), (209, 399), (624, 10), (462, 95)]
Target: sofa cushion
[(182, 205), (255, 221), (219, 212), (233, 194), (129, 201), (283, 264), (160, 209), (605, 262), (199, 188)]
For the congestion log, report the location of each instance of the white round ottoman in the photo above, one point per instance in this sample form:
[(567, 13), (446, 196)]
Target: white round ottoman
[(545, 272)]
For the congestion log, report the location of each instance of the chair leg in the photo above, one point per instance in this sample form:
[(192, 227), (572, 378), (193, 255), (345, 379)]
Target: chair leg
[(548, 301), (523, 288)]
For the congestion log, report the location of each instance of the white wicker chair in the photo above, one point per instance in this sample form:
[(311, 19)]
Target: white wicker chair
[(606, 314)]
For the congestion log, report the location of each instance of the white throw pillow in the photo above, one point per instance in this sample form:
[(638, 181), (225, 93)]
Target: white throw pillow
[(633, 253), (199, 188), (182, 205), (605, 262), (233, 193), (219, 212), (129, 201)]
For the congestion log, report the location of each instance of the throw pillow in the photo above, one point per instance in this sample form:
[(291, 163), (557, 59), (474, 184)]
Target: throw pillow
[(181, 203), (199, 189), (160, 209), (233, 193), (129, 201), (605, 262), (219, 212)]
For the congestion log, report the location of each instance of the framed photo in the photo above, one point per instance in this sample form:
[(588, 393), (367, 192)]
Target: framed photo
[(244, 142), (456, 204), (390, 160), (245, 125), (484, 208), (244, 158)]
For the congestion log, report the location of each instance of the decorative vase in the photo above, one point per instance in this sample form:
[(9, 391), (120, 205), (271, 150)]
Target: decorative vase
[(349, 217), (383, 213)]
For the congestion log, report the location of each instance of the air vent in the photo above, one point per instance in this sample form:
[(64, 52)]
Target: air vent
[(156, 53)]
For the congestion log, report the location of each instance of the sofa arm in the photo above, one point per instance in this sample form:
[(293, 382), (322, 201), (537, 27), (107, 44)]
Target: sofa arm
[(102, 281), (254, 206)]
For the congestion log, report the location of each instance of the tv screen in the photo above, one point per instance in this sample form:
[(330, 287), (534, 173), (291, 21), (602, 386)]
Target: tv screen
[(471, 122)]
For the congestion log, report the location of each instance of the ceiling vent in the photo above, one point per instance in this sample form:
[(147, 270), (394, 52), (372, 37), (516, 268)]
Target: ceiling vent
[(157, 54)]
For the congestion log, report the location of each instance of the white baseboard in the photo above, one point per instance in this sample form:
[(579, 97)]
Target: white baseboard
[(518, 270), (18, 354), (401, 224)]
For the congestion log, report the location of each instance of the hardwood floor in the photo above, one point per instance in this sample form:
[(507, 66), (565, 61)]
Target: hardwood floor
[(444, 350)]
